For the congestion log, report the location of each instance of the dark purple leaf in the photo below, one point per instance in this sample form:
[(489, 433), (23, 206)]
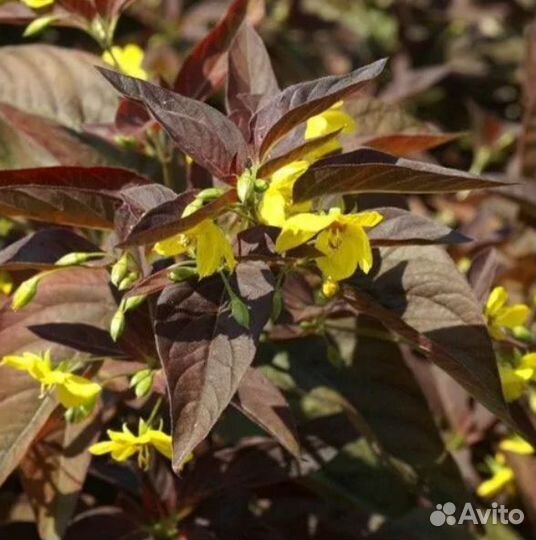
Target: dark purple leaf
[(482, 273), (371, 171), (165, 220), (80, 337), (43, 248), (200, 131), (299, 102), (403, 227), (205, 67), (250, 72), (205, 351), (264, 404), (78, 196)]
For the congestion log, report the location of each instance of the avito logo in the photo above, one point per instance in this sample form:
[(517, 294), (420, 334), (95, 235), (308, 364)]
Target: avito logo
[(445, 514)]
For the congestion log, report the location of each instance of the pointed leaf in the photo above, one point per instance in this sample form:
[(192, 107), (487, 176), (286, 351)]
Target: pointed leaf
[(299, 102), (78, 196), (205, 67), (200, 131), (264, 404), (165, 220), (370, 171), (250, 71), (69, 90), (402, 227), (43, 248), (204, 351), (408, 144)]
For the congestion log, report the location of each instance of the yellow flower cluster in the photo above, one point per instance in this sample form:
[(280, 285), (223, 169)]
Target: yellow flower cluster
[(340, 238), (503, 476), (71, 390), (128, 59)]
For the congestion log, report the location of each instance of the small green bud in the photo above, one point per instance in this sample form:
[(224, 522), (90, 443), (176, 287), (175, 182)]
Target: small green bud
[(142, 382), (193, 207), (277, 304), (261, 185), (182, 274), (74, 415), (210, 194), (25, 292), (128, 281), (38, 25), (240, 311), (132, 302), (119, 270), (117, 326), (76, 258), (523, 334), (245, 186)]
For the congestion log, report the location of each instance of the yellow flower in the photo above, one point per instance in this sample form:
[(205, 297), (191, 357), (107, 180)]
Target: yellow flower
[(277, 199), (6, 283), (528, 361), (503, 479), (330, 288), (515, 380), (124, 444), (500, 316), (331, 120), (207, 242), (37, 4), (129, 59), (341, 238), (516, 445), (71, 390)]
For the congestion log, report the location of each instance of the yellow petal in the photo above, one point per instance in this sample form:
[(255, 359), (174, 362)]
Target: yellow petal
[(122, 453), (103, 447), (328, 122), (213, 250), (496, 300), (38, 4), (513, 316), (77, 391), (162, 442), (354, 250), (300, 228), (528, 361), (514, 381), (496, 484), (287, 175), (129, 59), (517, 445), (24, 362), (363, 219), (172, 246), (272, 207)]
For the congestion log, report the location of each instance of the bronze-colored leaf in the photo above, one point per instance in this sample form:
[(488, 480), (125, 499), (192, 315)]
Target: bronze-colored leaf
[(205, 351)]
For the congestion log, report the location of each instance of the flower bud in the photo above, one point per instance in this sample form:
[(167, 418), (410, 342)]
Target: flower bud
[(245, 186), (25, 292), (240, 311), (75, 258), (142, 382), (182, 274), (117, 326), (128, 281), (261, 185), (210, 194), (119, 270), (38, 25), (277, 304), (132, 302)]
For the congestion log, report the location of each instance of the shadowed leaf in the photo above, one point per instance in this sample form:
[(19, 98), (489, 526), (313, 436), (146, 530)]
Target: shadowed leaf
[(417, 293), (402, 227), (299, 102), (205, 351), (78, 196), (200, 131), (264, 404), (43, 248), (370, 171)]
